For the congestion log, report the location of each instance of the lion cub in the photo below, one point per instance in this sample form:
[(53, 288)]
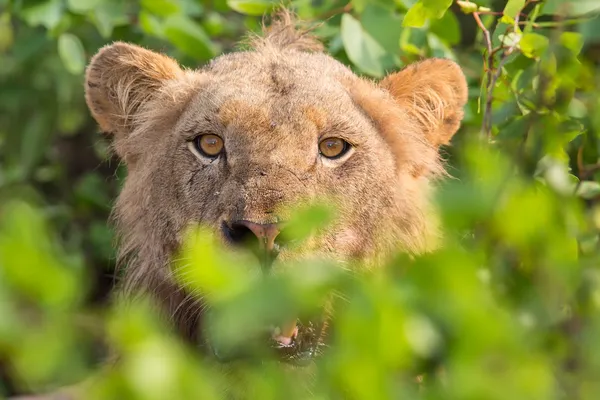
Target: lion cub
[(231, 144)]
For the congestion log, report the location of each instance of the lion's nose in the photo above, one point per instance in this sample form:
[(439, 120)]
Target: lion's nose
[(259, 237)]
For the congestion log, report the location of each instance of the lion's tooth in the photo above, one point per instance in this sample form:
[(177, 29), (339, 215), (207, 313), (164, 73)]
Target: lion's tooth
[(285, 333)]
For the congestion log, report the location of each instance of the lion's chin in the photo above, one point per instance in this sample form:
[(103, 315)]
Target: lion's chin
[(299, 349)]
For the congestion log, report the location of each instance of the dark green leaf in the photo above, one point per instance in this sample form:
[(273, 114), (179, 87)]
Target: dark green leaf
[(34, 141), (447, 29)]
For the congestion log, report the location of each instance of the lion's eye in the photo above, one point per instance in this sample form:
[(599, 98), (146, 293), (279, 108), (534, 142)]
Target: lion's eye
[(209, 145), (333, 147)]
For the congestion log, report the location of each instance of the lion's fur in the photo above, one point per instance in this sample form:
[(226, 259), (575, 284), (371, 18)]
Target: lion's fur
[(270, 103)]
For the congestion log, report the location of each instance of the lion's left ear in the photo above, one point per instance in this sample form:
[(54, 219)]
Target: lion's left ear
[(434, 92)]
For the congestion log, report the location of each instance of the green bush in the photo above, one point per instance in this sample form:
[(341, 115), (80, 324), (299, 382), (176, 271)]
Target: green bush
[(508, 308)]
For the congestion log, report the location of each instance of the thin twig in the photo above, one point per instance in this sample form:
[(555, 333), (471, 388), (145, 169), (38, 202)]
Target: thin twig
[(493, 73), (489, 70), (335, 11)]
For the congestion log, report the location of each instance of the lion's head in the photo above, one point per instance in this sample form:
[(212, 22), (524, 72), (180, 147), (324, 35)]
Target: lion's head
[(231, 145)]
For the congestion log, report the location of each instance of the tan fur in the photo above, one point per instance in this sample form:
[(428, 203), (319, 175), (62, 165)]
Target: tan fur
[(271, 104)]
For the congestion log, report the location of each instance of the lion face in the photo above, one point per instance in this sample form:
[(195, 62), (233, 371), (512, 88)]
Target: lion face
[(234, 145)]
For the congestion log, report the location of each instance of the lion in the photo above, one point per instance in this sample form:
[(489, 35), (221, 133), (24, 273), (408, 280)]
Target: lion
[(232, 144)]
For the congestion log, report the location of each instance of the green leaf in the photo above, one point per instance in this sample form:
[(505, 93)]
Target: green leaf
[(81, 6), (34, 141), (437, 8), (48, 13), (189, 37), (191, 8), (6, 32), (252, 7), (161, 7), (572, 41), (447, 29), (91, 190), (534, 45), (71, 53), (384, 26), (424, 10), (359, 5), (416, 16), (439, 49), (108, 15), (151, 24), (362, 49), (590, 31), (513, 7), (214, 24), (571, 8), (588, 189)]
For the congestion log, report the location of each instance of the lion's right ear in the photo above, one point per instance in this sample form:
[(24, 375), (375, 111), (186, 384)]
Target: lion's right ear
[(120, 79)]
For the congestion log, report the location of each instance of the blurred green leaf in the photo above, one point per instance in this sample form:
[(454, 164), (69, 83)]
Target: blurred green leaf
[(162, 7), (572, 41), (513, 7), (26, 252), (6, 32), (533, 45), (83, 5), (383, 26), (588, 189), (47, 13), (418, 14), (571, 7), (34, 141), (446, 29), (71, 53), (189, 37), (92, 190), (151, 24), (108, 15), (251, 7)]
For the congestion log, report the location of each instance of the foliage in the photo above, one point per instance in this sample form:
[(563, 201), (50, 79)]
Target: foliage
[(509, 307)]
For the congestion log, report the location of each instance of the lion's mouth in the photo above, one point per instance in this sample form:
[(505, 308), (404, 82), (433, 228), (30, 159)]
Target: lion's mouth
[(299, 346), (297, 342), (303, 345)]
